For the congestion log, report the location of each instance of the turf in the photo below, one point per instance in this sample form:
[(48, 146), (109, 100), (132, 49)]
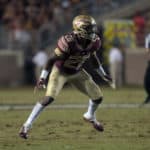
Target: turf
[(64, 129), (71, 95)]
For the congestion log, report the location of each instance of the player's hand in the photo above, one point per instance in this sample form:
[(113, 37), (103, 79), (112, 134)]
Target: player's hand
[(40, 83), (107, 78), (112, 85)]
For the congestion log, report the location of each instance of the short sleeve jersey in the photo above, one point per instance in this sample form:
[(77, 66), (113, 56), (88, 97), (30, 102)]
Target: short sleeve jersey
[(73, 53)]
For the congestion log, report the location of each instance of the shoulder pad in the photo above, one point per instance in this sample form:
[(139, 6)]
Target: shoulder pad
[(65, 42), (69, 37), (63, 45)]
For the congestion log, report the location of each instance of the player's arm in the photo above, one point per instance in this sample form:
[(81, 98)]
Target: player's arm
[(102, 72), (52, 59), (96, 62), (54, 56), (100, 69), (60, 53)]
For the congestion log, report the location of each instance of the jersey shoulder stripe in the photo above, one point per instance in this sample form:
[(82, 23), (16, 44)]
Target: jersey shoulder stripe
[(64, 43)]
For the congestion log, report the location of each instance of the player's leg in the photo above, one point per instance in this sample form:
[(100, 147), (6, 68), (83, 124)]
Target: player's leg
[(55, 84), (86, 85)]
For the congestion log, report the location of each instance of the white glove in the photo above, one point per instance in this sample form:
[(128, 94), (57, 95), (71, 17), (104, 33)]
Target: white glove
[(112, 85)]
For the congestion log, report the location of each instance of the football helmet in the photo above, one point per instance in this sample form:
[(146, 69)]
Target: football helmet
[(85, 26)]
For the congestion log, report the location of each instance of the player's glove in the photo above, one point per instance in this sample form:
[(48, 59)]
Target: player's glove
[(105, 77), (41, 83), (103, 74), (42, 80), (109, 80)]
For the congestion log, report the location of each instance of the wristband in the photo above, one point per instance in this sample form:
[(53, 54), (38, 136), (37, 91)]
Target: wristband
[(44, 74), (102, 70)]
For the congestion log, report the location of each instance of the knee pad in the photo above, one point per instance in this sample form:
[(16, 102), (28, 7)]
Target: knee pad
[(47, 100), (98, 101)]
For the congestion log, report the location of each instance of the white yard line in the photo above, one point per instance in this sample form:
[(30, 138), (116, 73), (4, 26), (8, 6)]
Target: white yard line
[(73, 106)]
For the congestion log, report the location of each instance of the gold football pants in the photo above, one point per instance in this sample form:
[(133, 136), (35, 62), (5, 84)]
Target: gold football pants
[(82, 81)]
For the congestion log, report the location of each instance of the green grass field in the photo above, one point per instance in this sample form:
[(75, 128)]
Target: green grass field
[(64, 129)]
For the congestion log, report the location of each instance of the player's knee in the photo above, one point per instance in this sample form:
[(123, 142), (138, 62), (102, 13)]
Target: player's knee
[(98, 101), (47, 100)]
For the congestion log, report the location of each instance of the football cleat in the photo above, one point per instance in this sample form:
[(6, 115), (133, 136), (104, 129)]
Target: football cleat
[(91, 119), (24, 132)]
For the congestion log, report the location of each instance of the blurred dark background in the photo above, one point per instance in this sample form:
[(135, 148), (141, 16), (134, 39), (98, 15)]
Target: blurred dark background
[(28, 26)]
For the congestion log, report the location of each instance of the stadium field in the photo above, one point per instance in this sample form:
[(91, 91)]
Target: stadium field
[(64, 129), (70, 95)]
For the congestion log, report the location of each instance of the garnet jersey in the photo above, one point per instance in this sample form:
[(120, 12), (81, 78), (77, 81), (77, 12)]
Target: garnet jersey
[(73, 53)]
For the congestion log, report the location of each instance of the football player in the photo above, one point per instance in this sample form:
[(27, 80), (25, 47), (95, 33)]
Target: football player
[(66, 61), (147, 72)]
